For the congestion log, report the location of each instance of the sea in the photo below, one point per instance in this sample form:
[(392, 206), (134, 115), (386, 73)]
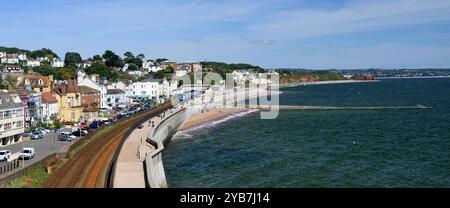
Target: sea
[(325, 148)]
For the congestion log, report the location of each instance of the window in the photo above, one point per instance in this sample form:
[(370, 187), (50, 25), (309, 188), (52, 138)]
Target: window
[(40, 82), (73, 114), (7, 126), (27, 82)]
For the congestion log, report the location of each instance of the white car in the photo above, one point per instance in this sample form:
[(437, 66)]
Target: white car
[(43, 131), (70, 135), (27, 153), (5, 155)]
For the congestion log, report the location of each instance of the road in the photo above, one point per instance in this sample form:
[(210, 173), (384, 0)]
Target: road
[(43, 147)]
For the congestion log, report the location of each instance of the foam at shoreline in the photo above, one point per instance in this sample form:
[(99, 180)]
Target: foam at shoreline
[(207, 124)]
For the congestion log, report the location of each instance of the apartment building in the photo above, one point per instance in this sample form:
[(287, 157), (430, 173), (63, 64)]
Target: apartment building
[(11, 119)]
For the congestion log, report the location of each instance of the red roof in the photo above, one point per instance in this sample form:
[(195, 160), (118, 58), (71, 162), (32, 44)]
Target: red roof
[(48, 98)]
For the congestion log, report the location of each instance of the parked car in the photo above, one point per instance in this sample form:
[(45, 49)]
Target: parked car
[(140, 126), (95, 125), (27, 134), (27, 153), (83, 124), (69, 123), (36, 135), (78, 129), (5, 155), (42, 130), (64, 137), (78, 133), (86, 129), (68, 134)]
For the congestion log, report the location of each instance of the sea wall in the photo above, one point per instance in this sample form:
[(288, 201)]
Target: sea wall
[(155, 175)]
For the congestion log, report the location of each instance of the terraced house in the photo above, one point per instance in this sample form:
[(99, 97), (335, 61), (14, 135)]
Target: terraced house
[(11, 119), (68, 95), (90, 100), (36, 83)]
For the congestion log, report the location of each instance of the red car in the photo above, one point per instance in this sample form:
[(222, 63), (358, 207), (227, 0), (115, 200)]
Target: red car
[(83, 125), (69, 123)]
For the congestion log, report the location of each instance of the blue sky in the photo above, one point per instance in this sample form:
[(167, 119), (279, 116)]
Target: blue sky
[(318, 34)]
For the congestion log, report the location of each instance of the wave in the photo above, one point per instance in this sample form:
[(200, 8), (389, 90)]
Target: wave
[(185, 134)]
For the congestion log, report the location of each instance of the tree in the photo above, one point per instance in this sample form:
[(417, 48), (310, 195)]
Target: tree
[(112, 60), (131, 59), (132, 67), (72, 59), (168, 70), (97, 58), (159, 74), (67, 73), (102, 70), (57, 124), (159, 60), (45, 52), (128, 55), (141, 56)]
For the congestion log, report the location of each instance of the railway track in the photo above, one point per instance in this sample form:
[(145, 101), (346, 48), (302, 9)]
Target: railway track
[(89, 168)]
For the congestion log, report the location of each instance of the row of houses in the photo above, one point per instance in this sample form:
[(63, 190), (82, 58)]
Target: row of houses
[(14, 63), (20, 59), (41, 99)]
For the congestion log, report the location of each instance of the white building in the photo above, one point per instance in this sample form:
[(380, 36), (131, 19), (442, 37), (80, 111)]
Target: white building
[(181, 71), (10, 59), (150, 66), (115, 97), (86, 64), (127, 88), (11, 119), (33, 63), (49, 107), (154, 69), (57, 63), (136, 73), (148, 89), (147, 64), (12, 69), (94, 83), (2, 54), (22, 56), (41, 59), (169, 88)]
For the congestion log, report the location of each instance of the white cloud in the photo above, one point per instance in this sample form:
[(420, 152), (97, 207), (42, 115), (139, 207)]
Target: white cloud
[(359, 16)]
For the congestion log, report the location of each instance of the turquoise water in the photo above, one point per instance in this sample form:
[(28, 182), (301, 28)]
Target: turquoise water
[(340, 148)]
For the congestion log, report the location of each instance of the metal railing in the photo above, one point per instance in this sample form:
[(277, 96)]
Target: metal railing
[(9, 166)]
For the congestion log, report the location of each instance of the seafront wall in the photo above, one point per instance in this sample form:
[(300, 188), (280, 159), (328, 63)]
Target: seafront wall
[(154, 167)]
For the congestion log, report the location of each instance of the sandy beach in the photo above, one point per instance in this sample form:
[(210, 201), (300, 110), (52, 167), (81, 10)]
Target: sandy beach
[(209, 115)]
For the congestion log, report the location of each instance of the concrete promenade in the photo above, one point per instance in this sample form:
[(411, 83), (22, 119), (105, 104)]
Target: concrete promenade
[(130, 171)]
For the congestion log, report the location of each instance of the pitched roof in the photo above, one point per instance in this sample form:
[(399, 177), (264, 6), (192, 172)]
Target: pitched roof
[(68, 86), (48, 98), (85, 89), (114, 91), (8, 101), (34, 81)]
